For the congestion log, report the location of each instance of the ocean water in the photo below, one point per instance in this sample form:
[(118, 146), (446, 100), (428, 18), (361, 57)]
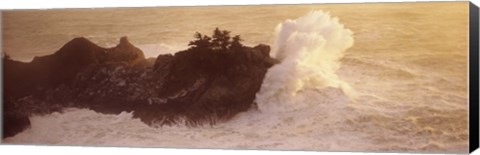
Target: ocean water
[(354, 77)]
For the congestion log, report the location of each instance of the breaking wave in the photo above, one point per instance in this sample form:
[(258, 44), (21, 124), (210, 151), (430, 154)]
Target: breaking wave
[(310, 49)]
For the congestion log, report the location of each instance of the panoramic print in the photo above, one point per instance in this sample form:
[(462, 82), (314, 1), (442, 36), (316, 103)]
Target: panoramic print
[(377, 77)]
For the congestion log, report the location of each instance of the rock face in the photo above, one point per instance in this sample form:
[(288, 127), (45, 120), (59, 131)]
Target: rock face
[(125, 52), (195, 86)]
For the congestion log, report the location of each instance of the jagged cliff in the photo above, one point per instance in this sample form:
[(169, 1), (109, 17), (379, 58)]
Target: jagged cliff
[(195, 86)]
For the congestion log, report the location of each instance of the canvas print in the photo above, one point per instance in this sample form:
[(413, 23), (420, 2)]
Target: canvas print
[(376, 77)]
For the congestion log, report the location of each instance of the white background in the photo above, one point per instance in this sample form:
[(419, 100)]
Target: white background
[(67, 150)]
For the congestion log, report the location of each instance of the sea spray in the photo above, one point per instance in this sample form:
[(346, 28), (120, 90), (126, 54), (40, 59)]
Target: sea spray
[(310, 49)]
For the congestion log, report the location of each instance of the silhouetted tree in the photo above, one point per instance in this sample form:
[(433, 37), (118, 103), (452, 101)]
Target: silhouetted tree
[(216, 35), (202, 41), (236, 42), (220, 41), (225, 40)]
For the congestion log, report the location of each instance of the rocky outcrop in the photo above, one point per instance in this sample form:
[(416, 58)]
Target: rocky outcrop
[(195, 86), (47, 72), (125, 52), (27, 85)]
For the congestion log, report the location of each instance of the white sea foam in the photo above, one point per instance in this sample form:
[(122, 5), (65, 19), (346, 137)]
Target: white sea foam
[(310, 49)]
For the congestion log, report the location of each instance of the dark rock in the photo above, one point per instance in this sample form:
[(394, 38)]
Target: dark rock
[(162, 63), (125, 52), (14, 121), (263, 49)]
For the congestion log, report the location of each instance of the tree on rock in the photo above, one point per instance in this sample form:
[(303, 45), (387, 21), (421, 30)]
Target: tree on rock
[(202, 42), (220, 41), (236, 42)]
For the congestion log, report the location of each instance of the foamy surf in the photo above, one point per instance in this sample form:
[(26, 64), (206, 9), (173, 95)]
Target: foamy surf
[(310, 129)]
